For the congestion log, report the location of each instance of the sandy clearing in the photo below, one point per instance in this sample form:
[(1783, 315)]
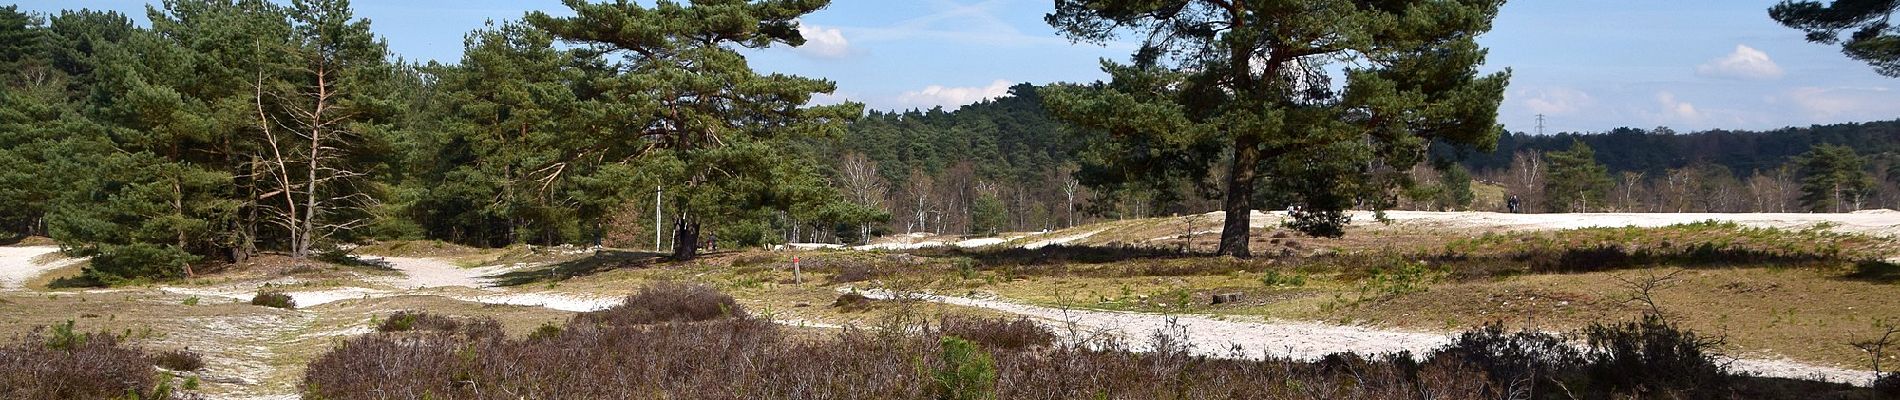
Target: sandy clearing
[(1872, 222), (422, 273), (17, 264), (1868, 222), (1061, 240), (1297, 340), (550, 300)]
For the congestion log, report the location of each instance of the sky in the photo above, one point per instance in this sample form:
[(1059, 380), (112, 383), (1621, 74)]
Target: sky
[(1586, 66)]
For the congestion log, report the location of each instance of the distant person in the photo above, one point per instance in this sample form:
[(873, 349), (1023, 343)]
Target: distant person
[(1513, 204)]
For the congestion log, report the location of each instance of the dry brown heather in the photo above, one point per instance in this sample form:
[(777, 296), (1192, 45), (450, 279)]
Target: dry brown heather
[(63, 364), (682, 341)]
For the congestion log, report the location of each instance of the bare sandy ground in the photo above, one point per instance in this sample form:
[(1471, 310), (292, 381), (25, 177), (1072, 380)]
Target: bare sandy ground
[(420, 276), (19, 264), (1219, 337), (1872, 222)]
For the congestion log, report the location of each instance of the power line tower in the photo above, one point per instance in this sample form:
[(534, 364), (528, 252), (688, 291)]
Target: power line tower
[(1540, 124)]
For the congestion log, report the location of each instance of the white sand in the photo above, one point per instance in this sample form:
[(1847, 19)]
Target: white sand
[(17, 264), (1296, 340), (1061, 240), (1872, 222)]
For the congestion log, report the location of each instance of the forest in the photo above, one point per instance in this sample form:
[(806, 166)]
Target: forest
[(229, 128)]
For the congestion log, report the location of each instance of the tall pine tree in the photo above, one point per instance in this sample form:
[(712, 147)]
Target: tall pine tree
[(690, 115), (1247, 86)]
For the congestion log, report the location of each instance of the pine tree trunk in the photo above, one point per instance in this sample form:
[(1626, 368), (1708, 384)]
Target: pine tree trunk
[(685, 236), (1236, 230)]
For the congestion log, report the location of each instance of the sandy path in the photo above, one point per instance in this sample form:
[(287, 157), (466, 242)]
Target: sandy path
[(17, 265), (1298, 340), (422, 273)]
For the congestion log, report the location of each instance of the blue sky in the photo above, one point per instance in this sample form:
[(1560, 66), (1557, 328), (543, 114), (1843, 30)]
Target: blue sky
[(1586, 65)]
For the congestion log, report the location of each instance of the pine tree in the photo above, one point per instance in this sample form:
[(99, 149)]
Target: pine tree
[(1247, 85), (1577, 181), (498, 166), (700, 121), (1871, 37), (1835, 179)]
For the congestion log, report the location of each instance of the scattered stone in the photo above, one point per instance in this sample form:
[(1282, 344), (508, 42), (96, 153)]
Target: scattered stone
[(1225, 298), (801, 304)]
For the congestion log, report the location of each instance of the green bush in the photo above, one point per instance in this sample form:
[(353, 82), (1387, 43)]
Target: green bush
[(63, 337), (1274, 278), (547, 331), (272, 298), (403, 321), (967, 373), (118, 264)]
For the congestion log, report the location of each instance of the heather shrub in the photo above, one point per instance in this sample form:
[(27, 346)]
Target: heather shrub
[(668, 302), (1533, 363), (1654, 356), (97, 366), (179, 360), (403, 321), (849, 272), (997, 333), (272, 298), (597, 356), (852, 301)]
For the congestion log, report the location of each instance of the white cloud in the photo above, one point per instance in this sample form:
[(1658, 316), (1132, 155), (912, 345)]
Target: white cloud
[(1846, 102), (938, 95), (1677, 109), (822, 42), (1745, 63), (826, 99), (1556, 100)]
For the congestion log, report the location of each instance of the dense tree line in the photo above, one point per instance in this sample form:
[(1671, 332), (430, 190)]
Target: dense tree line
[(228, 128), (996, 165), (1655, 151), (1826, 178)]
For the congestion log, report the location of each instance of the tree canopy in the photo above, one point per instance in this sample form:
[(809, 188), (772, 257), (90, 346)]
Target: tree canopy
[(1320, 99), (686, 112), (1871, 35)]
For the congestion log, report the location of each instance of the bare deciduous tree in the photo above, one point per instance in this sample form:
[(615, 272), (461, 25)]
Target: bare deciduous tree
[(865, 187), (919, 188)]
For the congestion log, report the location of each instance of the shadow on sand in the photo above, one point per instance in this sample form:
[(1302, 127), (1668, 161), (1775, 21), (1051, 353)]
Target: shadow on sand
[(601, 261)]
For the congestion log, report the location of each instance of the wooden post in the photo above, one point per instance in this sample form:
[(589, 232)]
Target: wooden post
[(797, 277)]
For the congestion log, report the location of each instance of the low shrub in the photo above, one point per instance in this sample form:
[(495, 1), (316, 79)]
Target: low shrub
[(1534, 363), (966, 373), (404, 321), (275, 299), (179, 360), (997, 333), (852, 302), (668, 302), (740, 357), (1654, 356), (97, 367), (851, 272)]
